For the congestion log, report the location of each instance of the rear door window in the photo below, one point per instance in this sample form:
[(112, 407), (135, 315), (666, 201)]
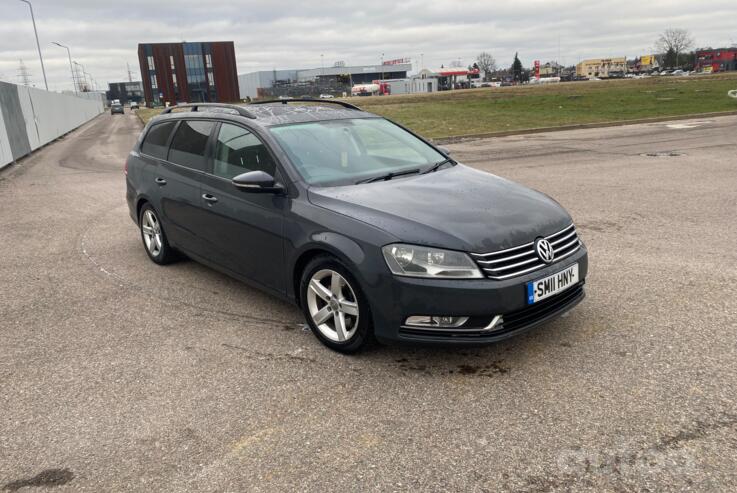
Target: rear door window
[(190, 144), (157, 138)]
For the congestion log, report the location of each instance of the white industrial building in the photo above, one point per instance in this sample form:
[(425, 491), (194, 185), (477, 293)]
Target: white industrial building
[(255, 84), (411, 85)]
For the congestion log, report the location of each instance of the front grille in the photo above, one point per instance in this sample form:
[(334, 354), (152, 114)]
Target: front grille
[(522, 259), (511, 321)]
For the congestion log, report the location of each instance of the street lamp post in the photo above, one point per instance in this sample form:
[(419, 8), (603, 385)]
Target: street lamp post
[(71, 68), (40, 57), (82, 77), (92, 81)]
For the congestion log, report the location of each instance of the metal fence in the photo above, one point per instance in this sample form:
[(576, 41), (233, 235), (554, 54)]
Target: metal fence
[(31, 118)]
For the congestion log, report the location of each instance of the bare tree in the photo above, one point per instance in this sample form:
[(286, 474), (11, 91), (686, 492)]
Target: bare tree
[(675, 40), (486, 64)]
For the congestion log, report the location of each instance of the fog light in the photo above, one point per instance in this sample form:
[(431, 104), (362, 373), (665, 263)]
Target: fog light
[(435, 321)]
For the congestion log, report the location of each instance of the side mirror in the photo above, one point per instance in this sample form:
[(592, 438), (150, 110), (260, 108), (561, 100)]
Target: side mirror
[(257, 182), (444, 150)]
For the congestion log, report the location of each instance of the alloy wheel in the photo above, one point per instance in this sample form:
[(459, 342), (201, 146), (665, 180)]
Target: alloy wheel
[(332, 305), (151, 230)]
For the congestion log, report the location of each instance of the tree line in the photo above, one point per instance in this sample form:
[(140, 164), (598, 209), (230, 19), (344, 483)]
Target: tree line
[(674, 44)]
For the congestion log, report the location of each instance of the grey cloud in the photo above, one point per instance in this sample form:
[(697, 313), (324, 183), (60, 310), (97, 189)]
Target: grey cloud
[(280, 33)]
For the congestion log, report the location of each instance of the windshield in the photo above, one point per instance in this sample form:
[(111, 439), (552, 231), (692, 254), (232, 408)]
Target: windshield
[(342, 152)]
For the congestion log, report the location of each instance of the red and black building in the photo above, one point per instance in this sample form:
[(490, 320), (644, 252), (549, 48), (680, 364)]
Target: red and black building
[(188, 72), (718, 60)]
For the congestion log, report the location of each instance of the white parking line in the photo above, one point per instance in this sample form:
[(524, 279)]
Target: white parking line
[(684, 126)]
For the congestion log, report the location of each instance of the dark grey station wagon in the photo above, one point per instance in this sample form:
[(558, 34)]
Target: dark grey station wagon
[(374, 232)]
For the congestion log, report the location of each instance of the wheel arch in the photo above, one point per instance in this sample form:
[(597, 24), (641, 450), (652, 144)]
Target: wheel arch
[(344, 249), (139, 205)]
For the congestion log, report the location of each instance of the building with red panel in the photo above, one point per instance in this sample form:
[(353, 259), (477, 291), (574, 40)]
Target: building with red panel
[(188, 72), (718, 60)]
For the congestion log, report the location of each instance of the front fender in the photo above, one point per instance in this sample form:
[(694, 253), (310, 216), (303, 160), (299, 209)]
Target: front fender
[(345, 249), (310, 229), (340, 245)]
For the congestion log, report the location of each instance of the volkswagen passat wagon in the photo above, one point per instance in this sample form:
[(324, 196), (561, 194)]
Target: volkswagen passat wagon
[(371, 230)]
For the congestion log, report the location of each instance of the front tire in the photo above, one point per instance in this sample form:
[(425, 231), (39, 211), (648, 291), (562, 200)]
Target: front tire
[(153, 236), (334, 306)]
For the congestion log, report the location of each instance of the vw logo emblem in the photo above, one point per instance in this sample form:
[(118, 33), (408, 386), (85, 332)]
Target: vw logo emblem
[(544, 250)]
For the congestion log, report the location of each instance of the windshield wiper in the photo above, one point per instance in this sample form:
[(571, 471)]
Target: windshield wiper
[(389, 176), (438, 165)]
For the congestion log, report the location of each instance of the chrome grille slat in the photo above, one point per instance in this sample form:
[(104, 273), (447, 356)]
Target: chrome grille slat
[(561, 232), (519, 255), (503, 251), (568, 254), (515, 274), (507, 267), (566, 246), (572, 233), (515, 261)]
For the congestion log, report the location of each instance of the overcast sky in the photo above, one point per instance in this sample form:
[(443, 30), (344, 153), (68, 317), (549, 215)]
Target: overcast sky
[(104, 35)]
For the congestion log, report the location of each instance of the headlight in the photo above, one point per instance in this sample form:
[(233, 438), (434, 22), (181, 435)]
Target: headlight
[(417, 261)]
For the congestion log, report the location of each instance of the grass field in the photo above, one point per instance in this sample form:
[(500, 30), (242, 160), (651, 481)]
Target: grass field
[(145, 114), (490, 110)]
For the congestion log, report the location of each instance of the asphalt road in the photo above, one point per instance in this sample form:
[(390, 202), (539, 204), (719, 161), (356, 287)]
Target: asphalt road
[(119, 375)]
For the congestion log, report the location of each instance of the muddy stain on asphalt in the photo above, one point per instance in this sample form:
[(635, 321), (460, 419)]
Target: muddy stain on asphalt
[(48, 478), (487, 370), (480, 370)]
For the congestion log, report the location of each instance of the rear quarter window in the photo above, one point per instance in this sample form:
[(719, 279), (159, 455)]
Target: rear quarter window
[(154, 144)]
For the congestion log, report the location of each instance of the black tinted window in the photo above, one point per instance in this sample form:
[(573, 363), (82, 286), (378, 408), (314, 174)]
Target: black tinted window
[(156, 139), (190, 141), (238, 151)]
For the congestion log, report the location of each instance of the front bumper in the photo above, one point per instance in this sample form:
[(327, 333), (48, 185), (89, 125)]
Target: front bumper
[(394, 298)]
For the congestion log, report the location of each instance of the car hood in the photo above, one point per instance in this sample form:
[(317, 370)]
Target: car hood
[(457, 208)]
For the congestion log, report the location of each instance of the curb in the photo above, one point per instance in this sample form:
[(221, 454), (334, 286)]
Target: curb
[(580, 126)]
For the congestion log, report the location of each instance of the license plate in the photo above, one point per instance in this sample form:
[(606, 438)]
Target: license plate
[(554, 284)]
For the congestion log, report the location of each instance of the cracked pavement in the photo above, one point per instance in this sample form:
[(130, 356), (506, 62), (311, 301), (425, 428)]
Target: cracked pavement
[(120, 375)]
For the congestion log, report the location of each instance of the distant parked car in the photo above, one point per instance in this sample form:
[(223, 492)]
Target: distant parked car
[(679, 72), (326, 96), (134, 105), (285, 97), (117, 108)]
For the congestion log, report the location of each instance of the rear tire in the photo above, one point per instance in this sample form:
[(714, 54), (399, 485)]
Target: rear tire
[(153, 236), (334, 305)]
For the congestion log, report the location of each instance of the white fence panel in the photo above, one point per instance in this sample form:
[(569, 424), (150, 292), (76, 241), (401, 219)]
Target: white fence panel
[(57, 114), (29, 116), (43, 117), (6, 155)]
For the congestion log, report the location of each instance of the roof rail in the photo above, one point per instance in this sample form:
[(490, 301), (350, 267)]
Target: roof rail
[(309, 100), (196, 107)]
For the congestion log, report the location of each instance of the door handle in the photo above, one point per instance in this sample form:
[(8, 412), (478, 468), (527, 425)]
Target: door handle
[(209, 198), (160, 181)]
